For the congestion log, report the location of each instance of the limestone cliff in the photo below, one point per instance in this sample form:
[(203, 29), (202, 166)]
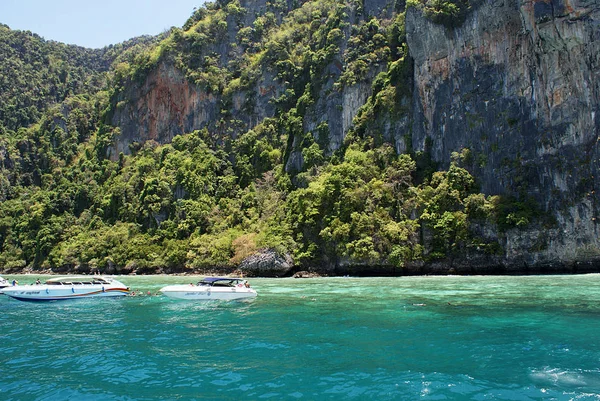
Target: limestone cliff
[(165, 102), (165, 105), (518, 84)]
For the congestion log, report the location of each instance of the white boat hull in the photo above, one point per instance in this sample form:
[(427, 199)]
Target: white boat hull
[(207, 293), (52, 293)]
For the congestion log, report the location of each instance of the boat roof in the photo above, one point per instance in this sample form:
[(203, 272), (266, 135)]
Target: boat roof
[(213, 279), (77, 279)]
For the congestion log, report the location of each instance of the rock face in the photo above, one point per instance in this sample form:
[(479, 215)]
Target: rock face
[(266, 263), (165, 105), (518, 84), (513, 82)]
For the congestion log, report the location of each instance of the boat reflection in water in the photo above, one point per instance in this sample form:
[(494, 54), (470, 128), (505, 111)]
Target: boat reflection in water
[(55, 289), (212, 288)]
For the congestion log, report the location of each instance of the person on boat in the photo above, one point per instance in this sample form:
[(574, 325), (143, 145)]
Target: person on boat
[(246, 284), (38, 282), (15, 282)]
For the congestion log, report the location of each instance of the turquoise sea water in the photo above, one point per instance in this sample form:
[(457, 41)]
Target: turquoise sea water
[(407, 338)]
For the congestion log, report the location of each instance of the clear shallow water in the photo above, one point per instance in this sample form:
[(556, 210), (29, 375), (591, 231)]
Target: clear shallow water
[(429, 338)]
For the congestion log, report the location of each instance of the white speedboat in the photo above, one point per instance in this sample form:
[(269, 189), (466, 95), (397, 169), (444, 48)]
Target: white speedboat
[(212, 288), (68, 288)]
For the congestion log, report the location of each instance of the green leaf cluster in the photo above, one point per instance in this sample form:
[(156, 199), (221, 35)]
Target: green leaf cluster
[(450, 13)]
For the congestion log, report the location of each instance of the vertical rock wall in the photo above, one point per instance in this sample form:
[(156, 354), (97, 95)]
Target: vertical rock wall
[(518, 84), (165, 105)]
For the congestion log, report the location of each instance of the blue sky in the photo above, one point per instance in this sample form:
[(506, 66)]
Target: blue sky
[(94, 23)]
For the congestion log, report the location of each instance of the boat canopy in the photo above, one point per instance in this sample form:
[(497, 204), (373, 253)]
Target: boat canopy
[(221, 281), (78, 280), (213, 279)]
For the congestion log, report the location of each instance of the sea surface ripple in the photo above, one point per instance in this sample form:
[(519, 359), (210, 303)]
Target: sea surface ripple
[(406, 338)]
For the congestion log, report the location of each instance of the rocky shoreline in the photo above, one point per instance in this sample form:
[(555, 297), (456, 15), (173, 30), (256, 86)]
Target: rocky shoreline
[(269, 263), (273, 268)]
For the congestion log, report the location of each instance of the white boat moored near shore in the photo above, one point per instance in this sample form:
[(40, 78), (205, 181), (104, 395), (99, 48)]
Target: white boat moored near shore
[(212, 288), (68, 288)]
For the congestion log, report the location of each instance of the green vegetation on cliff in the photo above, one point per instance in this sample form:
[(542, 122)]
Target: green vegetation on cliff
[(446, 12)]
